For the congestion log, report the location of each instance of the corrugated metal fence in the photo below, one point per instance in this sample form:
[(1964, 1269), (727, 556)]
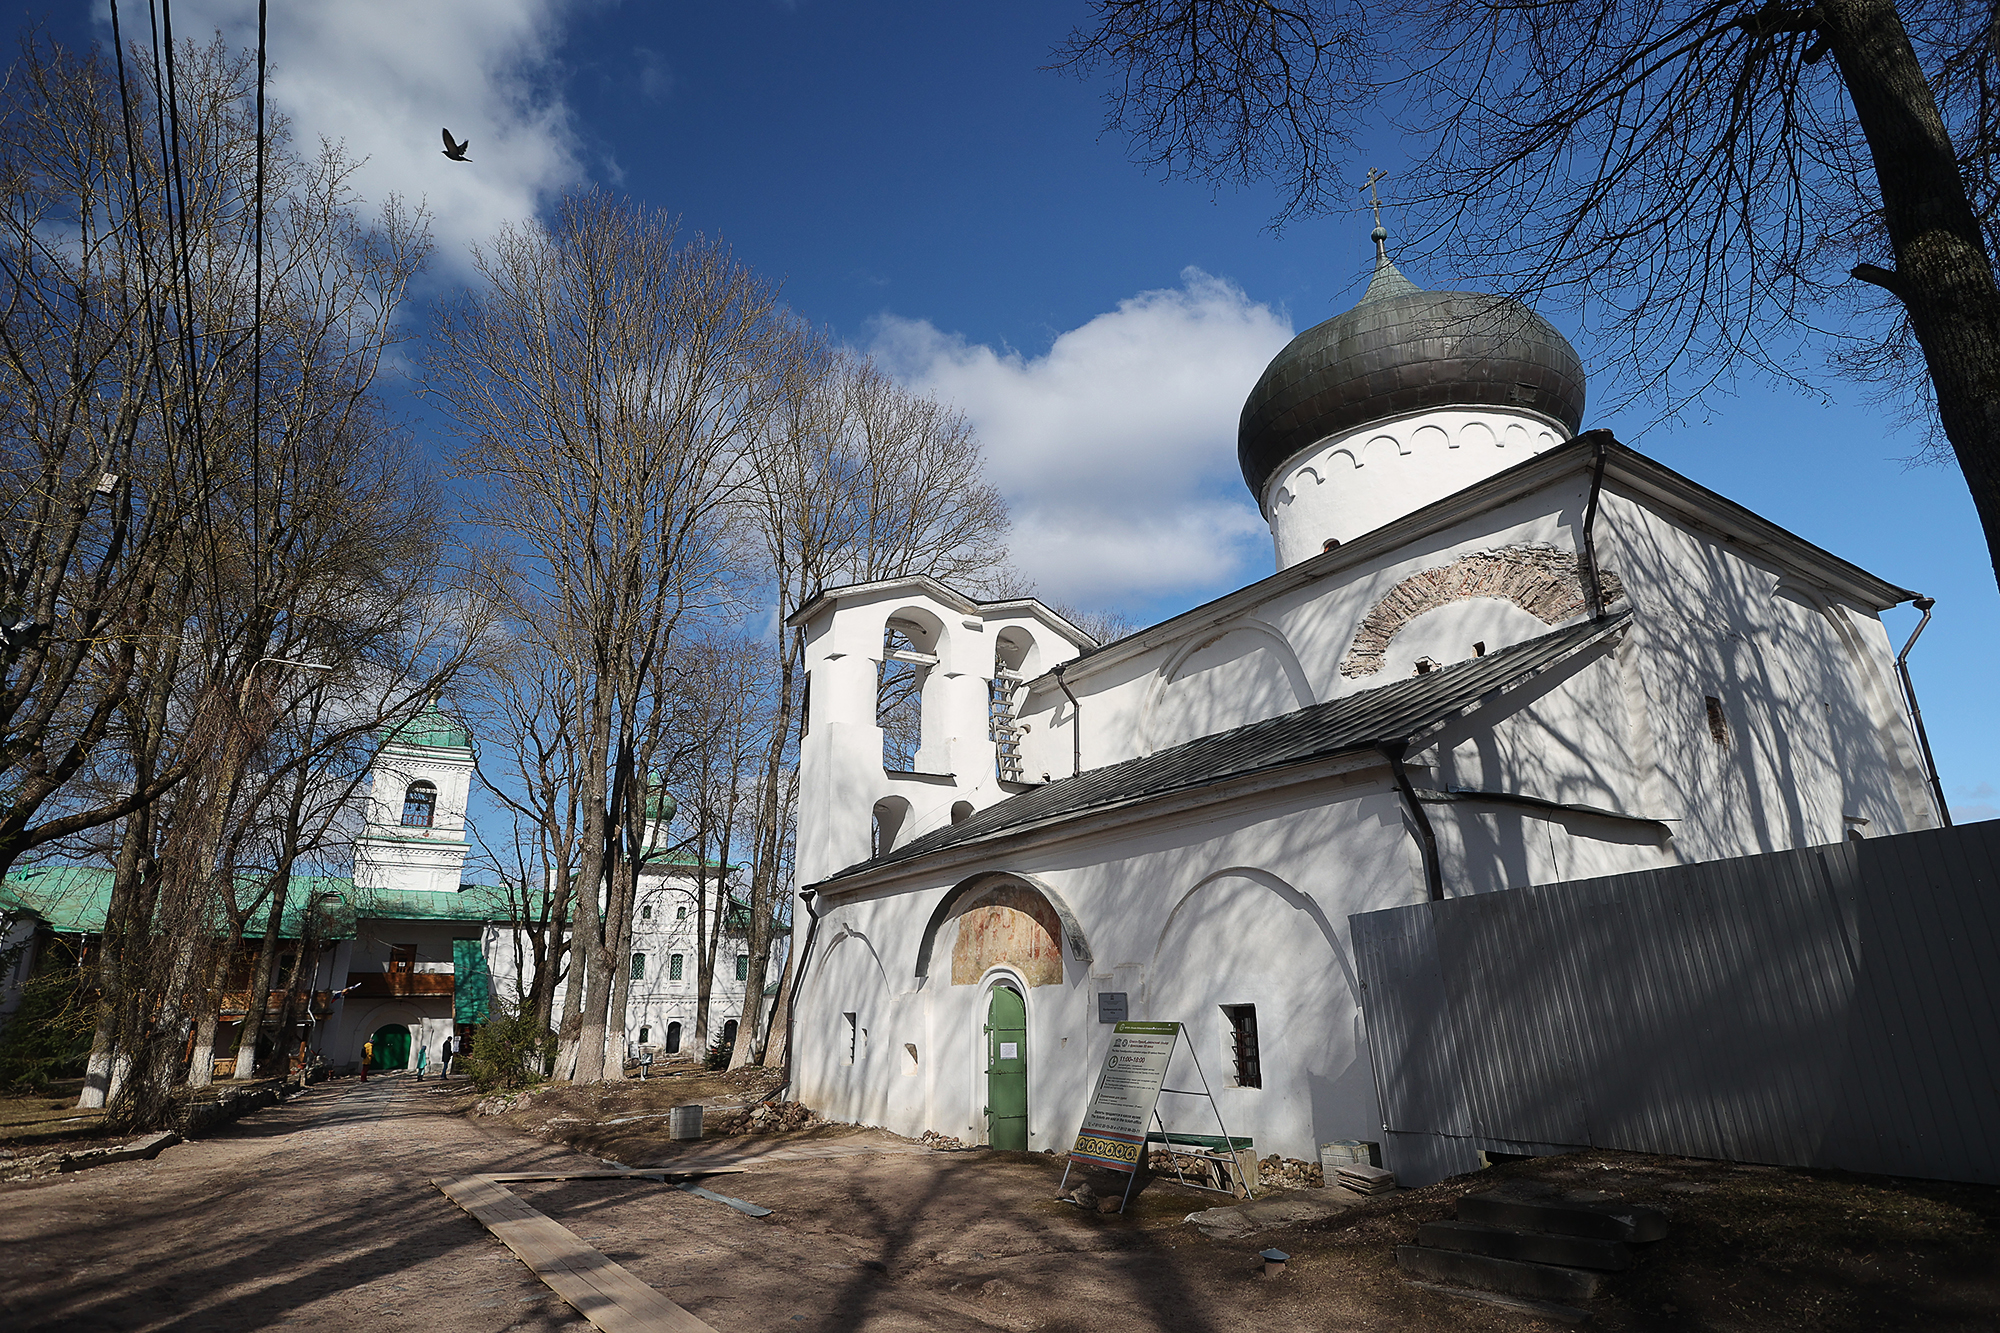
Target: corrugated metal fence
[(1837, 1006)]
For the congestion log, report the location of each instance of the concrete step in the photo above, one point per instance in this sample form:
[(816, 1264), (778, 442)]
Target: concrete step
[(1607, 1220), (1533, 1247), (1544, 1282)]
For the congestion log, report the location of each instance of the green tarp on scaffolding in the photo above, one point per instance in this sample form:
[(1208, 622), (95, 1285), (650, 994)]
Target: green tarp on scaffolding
[(472, 989)]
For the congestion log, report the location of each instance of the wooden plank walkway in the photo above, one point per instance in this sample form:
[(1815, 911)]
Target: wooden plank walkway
[(602, 1291)]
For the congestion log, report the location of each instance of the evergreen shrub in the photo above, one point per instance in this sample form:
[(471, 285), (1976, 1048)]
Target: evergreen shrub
[(510, 1051), (48, 1036)]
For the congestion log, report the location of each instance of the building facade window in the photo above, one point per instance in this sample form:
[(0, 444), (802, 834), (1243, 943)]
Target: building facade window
[(645, 1035), (638, 967), (1243, 1044), (419, 805), (674, 967), (743, 967), (680, 914), (646, 912)]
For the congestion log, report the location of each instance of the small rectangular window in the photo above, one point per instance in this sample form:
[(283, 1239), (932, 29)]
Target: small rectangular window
[(638, 967), (1718, 725), (674, 966), (853, 1029), (743, 967), (1243, 1044), (646, 912)]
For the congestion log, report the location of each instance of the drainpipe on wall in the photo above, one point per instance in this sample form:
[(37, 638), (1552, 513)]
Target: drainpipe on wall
[(798, 984), (1923, 604), (1075, 723), (1427, 842), (1593, 587)]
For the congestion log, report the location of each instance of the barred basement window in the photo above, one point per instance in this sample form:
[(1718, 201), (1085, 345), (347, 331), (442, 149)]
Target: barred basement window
[(674, 966), (645, 1035), (743, 967), (1243, 1044), (638, 967), (1718, 725)]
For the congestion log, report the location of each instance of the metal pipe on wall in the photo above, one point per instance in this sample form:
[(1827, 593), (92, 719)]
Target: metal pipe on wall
[(1923, 604), (1427, 844)]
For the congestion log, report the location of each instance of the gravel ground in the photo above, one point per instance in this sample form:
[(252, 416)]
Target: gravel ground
[(316, 1214)]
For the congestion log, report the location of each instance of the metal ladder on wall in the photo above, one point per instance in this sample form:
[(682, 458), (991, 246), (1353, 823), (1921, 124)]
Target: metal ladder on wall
[(1001, 728)]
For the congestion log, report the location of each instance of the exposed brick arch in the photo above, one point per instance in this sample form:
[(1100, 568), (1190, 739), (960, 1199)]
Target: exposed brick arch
[(1541, 580)]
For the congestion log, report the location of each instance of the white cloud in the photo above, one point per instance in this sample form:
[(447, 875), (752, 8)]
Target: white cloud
[(384, 76), (1117, 447)]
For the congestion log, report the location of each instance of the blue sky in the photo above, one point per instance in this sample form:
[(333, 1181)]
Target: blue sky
[(923, 187)]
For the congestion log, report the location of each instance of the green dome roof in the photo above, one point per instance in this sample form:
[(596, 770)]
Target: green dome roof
[(432, 729)]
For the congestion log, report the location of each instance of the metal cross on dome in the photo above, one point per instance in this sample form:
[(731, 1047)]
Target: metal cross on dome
[(1375, 200)]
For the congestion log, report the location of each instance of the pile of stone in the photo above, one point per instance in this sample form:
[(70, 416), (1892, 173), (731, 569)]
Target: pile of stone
[(777, 1117), (1289, 1173), (941, 1142)]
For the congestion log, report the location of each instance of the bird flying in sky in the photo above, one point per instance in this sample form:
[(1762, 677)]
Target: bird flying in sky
[(454, 149)]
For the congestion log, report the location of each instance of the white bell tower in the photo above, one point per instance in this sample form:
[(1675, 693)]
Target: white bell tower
[(415, 834)]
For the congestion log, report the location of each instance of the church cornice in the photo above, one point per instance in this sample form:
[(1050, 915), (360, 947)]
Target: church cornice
[(1627, 472), (1210, 772)]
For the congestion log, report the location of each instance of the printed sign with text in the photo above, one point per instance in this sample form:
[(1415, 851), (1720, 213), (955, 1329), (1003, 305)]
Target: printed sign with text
[(1114, 1130)]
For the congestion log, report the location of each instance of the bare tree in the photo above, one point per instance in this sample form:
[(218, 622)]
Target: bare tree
[(853, 478), (603, 375), (1717, 182), (137, 427), (191, 455)]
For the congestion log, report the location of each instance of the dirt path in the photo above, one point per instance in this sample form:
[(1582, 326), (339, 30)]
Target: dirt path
[(318, 1214), (321, 1215)]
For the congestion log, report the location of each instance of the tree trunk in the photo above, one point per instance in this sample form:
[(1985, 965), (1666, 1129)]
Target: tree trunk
[(1943, 276), (767, 864), (621, 979), (118, 929), (201, 1065), (781, 1013), (260, 985)]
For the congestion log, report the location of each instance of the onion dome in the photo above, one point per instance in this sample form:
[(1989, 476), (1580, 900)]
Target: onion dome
[(1404, 350)]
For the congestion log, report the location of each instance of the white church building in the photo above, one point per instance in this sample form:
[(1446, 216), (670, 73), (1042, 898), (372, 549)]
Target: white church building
[(1496, 652), (430, 955)]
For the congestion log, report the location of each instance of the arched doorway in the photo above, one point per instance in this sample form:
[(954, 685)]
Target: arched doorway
[(1006, 1069), (729, 1035), (392, 1047)]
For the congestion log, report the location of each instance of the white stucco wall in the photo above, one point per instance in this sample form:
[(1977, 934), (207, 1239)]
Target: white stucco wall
[(1197, 901), (1352, 483)]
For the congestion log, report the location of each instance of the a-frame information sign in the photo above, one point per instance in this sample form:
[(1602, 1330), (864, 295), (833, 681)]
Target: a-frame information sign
[(1127, 1095), (1135, 1068)]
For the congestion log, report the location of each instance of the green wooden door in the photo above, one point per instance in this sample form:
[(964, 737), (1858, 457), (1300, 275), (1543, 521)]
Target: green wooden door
[(1007, 1070), (392, 1047)]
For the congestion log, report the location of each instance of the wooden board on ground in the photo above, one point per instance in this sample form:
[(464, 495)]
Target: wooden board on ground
[(630, 1173), (602, 1291)]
